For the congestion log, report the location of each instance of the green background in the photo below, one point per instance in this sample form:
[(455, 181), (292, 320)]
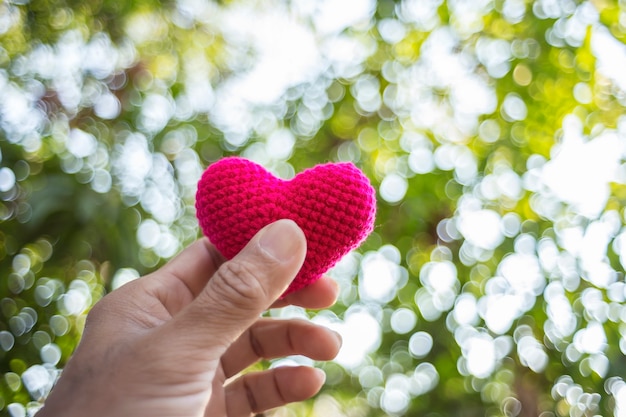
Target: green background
[(493, 132)]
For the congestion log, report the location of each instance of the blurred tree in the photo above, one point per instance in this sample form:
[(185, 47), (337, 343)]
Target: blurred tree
[(493, 131)]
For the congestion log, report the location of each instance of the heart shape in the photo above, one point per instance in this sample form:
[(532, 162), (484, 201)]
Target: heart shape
[(334, 205)]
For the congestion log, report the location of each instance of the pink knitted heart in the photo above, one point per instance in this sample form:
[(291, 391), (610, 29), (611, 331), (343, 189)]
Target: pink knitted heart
[(334, 205)]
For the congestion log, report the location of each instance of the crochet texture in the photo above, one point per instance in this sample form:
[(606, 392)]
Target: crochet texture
[(334, 205)]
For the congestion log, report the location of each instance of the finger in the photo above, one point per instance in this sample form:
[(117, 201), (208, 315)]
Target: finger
[(243, 287), (320, 294), (269, 338), (261, 391)]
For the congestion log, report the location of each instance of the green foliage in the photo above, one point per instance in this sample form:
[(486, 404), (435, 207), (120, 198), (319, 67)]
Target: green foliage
[(493, 284)]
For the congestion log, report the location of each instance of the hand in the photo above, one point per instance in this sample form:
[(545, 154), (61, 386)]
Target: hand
[(166, 344)]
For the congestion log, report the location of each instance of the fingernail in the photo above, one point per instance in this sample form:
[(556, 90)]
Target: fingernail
[(336, 288), (279, 240), (339, 339), (321, 374)]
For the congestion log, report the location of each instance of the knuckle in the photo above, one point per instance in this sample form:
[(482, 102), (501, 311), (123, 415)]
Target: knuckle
[(239, 283), (255, 344), (100, 312), (252, 402), (96, 315)]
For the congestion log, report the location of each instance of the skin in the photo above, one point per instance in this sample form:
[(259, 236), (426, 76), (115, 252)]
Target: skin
[(174, 343)]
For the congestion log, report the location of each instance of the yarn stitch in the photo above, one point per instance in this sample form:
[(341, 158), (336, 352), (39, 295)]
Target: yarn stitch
[(334, 205)]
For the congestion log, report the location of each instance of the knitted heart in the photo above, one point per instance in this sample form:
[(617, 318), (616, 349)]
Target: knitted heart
[(334, 205)]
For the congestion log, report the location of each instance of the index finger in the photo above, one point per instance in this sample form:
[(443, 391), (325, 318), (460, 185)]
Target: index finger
[(195, 265), (320, 294)]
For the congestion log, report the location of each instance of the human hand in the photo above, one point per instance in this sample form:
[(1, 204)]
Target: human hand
[(166, 344)]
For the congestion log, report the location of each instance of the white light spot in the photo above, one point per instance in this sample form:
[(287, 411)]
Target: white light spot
[(280, 144), (500, 311), (361, 335), (439, 276), (391, 30), (123, 276), (133, 164), (489, 131), (522, 273), (378, 278), (393, 188), (59, 325), (107, 106), (167, 245), (591, 339), (420, 344), (532, 354), (370, 376), (481, 228), (38, 381), (403, 320), (583, 93), (77, 299), (16, 410), (148, 233), (50, 353), (156, 112), (7, 179), (620, 400), (333, 16), (611, 54), (421, 160), (394, 401), (514, 108), (80, 143), (7, 340), (465, 309), (101, 181), (481, 356), (425, 378), (423, 13), (581, 170)]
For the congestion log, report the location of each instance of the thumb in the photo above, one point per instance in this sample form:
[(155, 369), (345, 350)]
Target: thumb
[(245, 286)]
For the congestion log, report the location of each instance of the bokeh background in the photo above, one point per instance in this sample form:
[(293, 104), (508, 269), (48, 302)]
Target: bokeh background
[(494, 132)]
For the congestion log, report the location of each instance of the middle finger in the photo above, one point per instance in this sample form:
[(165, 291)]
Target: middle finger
[(271, 338)]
